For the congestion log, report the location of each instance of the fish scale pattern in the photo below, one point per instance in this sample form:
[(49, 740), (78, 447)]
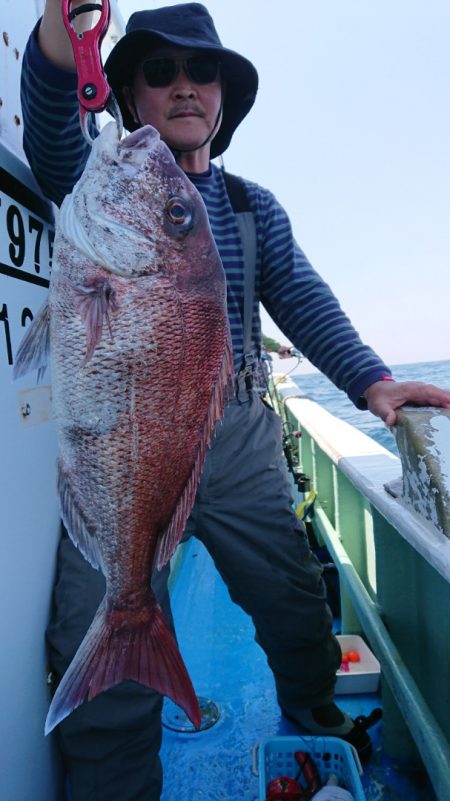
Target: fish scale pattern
[(123, 322)]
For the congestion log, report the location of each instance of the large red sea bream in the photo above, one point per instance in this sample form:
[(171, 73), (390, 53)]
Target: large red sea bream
[(140, 357)]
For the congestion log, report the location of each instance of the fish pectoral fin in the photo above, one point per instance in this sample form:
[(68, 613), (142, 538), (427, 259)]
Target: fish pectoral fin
[(78, 528), (94, 302), (33, 351)]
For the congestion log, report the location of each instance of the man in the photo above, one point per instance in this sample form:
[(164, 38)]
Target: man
[(171, 71)]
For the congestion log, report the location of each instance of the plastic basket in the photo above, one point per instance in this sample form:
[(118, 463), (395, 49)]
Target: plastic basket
[(330, 754)]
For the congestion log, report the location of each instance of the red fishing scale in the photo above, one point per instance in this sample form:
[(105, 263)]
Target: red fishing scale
[(94, 92)]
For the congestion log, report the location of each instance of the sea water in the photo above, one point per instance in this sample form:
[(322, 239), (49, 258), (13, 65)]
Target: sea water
[(317, 387)]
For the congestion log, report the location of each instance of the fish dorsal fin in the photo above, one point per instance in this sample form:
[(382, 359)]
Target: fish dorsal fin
[(33, 351), (80, 532), (174, 531)]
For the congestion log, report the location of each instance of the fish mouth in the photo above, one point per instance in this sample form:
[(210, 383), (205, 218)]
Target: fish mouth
[(144, 138), (138, 146)]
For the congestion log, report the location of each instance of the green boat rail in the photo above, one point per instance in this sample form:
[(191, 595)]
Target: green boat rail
[(394, 570)]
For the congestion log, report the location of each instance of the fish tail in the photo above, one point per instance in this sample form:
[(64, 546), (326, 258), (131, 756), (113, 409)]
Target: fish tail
[(118, 647)]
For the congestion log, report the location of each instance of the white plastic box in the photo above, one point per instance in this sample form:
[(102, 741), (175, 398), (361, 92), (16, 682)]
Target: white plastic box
[(362, 676)]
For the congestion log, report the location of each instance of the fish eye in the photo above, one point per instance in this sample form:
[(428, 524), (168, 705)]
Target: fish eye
[(178, 212)]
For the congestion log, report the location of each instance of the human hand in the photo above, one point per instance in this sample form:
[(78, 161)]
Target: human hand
[(383, 397), (287, 352), (284, 351), (53, 39)]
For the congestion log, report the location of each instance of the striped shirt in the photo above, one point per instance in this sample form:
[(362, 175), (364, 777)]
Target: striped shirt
[(295, 296)]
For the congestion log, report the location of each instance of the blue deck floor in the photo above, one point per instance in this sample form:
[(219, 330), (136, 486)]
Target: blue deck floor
[(227, 666)]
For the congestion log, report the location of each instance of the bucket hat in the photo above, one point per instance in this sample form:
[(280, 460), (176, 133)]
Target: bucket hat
[(184, 25)]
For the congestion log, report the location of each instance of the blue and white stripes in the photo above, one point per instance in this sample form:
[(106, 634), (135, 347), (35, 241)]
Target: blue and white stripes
[(295, 296)]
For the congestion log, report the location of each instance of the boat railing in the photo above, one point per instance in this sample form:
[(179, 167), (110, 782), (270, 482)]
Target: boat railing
[(394, 570)]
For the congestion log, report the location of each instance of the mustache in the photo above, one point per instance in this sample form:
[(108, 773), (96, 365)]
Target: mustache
[(183, 107)]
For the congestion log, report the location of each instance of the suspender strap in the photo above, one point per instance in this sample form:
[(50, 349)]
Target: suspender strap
[(246, 223), (236, 192)]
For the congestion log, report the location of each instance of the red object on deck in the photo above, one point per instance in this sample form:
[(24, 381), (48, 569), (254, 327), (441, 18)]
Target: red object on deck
[(284, 788), (309, 770)]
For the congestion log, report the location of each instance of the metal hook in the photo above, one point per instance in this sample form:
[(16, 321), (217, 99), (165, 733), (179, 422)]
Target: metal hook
[(112, 107)]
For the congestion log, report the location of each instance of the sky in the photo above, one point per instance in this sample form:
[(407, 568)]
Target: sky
[(351, 132)]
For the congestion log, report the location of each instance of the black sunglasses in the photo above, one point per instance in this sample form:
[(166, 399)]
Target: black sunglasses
[(162, 71)]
